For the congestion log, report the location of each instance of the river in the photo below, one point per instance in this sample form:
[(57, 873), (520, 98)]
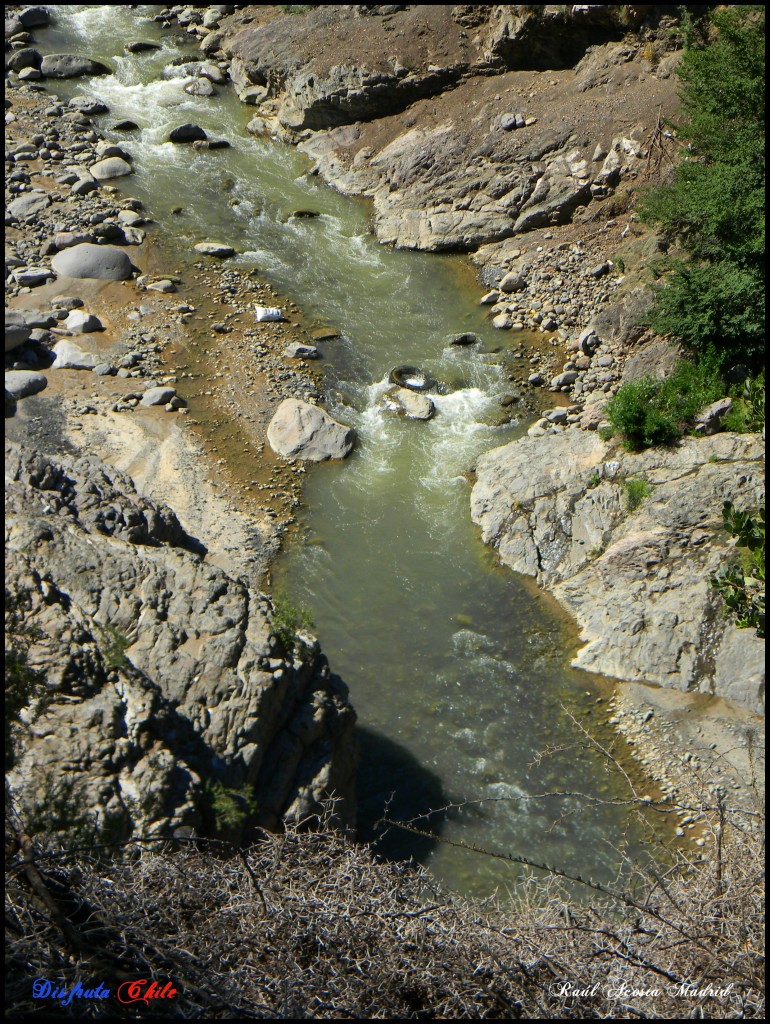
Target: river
[(457, 669)]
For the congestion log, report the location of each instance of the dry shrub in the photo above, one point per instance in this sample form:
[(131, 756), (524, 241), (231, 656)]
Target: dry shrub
[(309, 925)]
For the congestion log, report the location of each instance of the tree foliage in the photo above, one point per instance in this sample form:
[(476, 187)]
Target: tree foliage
[(715, 207)]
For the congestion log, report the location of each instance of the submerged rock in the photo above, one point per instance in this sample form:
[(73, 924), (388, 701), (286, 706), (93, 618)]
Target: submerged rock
[(409, 403), (302, 431)]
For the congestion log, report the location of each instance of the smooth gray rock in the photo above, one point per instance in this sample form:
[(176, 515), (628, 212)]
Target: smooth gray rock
[(29, 204), (104, 262), (158, 396), (70, 356), (111, 167), (555, 508), (411, 404), (71, 65), (302, 431), (82, 323), (218, 249), (23, 383)]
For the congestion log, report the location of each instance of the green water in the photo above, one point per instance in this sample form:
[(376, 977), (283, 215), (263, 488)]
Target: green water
[(458, 671)]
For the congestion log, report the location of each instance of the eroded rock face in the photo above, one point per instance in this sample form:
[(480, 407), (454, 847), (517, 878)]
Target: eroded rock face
[(454, 177), (637, 581), (163, 672)]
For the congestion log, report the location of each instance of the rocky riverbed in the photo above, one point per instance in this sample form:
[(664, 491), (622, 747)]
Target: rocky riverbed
[(521, 135), (533, 171)]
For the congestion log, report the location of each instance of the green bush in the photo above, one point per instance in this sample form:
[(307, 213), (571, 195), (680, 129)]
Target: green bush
[(715, 207), (636, 492), (743, 586), (651, 412), (226, 810), (748, 409), (288, 619)]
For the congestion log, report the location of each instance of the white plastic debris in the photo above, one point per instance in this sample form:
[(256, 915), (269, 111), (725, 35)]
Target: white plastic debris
[(268, 313)]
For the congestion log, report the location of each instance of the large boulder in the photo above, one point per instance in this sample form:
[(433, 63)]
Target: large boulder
[(302, 431), (17, 330), (23, 383), (111, 167), (71, 65), (100, 261)]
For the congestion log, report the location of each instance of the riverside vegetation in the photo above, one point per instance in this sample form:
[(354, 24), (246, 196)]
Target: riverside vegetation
[(307, 924)]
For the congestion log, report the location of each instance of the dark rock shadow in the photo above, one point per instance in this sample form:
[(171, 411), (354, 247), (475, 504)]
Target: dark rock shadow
[(391, 779)]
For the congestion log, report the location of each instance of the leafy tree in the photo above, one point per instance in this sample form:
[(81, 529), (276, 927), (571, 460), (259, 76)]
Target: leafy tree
[(715, 206)]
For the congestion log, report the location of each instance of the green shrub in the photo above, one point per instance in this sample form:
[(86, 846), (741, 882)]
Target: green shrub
[(743, 586), (114, 650), (651, 412), (226, 810), (288, 619), (636, 492)]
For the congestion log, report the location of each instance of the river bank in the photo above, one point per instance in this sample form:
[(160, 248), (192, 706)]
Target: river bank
[(165, 602)]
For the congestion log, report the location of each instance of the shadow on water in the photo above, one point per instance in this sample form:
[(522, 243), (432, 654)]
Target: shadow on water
[(390, 777)]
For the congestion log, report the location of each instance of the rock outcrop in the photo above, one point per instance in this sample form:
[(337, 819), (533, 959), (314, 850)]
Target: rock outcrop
[(463, 167), (163, 674), (636, 580)]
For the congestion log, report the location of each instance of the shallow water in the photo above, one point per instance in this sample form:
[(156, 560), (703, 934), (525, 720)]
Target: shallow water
[(457, 669)]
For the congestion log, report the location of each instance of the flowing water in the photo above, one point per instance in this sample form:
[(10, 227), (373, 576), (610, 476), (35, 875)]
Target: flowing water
[(457, 669)]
